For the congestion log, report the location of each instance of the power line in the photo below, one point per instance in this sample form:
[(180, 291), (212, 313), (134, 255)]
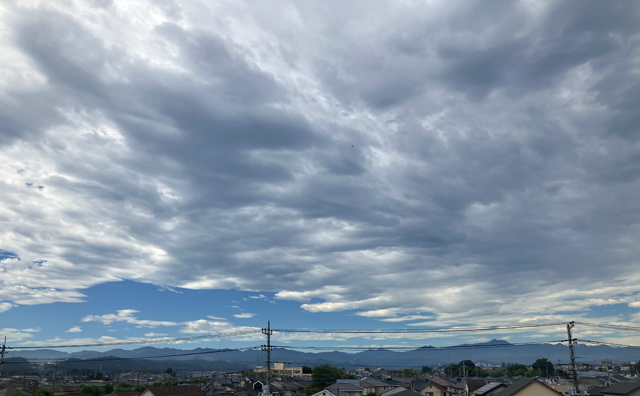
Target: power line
[(612, 344), (609, 326), (430, 348), (141, 342), (453, 347), (109, 358), (409, 331)]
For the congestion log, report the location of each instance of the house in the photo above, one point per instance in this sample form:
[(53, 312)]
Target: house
[(528, 387), (400, 392), (435, 386), (373, 386), (173, 390), (473, 384), (595, 390), (345, 389), (489, 389), (622, 388)]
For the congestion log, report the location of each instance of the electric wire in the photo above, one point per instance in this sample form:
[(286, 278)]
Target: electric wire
[(319, 331), (430, 348), (109, 358), (335, 348), (609, 326), (409, 331), (140, 342)]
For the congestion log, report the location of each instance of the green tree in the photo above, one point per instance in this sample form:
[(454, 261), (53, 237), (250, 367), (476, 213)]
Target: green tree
[(465, 367), (498, 373), (307, 370), (94, 390), (43, 392), (323, 376), (425, 370), (409, 373), (124, 387), (107, 388), (543, 367), (516, 370), (16, 393)]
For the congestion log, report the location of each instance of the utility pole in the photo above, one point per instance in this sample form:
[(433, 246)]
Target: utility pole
[(573, 358), (4, 346), (266, 391), (53, 386)]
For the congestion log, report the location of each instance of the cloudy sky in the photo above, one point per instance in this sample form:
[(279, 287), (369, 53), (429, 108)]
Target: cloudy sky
[(182, 168)]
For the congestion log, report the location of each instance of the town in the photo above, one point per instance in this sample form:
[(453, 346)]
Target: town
[(464, 378)]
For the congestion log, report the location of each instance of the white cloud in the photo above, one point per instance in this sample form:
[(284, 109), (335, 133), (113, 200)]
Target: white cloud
[(258, 297), (18, 335), (244, 315), (127, 316), (75, 329)]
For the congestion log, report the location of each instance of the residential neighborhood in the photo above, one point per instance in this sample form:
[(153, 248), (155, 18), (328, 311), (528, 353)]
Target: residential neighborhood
[(281, 379)]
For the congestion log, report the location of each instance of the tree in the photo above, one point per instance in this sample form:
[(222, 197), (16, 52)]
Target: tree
[(307, 370), (171, 372), (43, 392), (465, 367), (498, 373), (124, 387), (323, 376), (543, 367), (516, 370), (409, 373), (94, 390), (107, 388), (16, 393)]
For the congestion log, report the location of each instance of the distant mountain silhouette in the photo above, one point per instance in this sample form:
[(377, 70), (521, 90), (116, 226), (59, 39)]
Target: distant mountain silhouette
[(493, 352)]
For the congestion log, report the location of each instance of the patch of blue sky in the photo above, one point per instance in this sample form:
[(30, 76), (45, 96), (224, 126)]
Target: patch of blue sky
[(5, 254), (154, 303), (622, 310)]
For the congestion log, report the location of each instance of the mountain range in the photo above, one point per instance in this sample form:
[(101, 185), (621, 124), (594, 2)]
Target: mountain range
[(492, 353)]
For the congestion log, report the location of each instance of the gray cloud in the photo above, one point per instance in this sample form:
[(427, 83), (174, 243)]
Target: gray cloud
[(490, 149)]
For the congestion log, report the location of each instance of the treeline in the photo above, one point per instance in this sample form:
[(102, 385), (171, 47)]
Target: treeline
[(108, 388), (113, 364), (18, 365), (540, 368)]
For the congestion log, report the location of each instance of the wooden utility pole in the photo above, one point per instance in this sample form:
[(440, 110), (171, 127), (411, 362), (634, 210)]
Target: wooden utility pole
[(573, 358)]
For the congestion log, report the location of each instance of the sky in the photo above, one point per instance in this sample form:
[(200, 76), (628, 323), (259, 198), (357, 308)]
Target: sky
[(177, 169)]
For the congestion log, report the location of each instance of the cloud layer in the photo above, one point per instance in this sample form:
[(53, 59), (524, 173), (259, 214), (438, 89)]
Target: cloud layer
[(421, 163)]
